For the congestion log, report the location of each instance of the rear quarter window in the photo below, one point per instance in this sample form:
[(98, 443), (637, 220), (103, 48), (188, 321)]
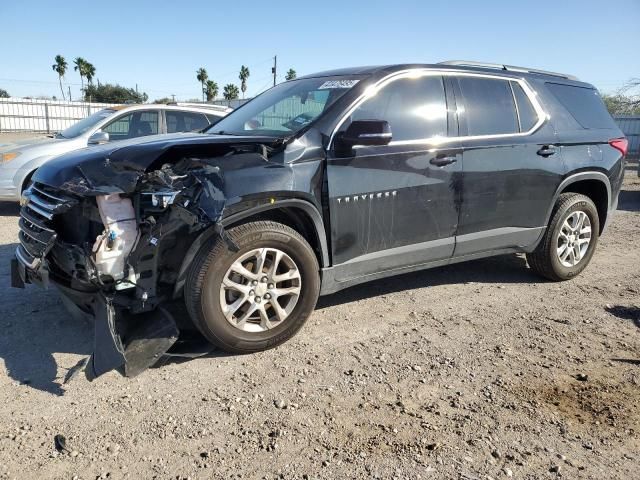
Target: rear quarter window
[(584, 104)]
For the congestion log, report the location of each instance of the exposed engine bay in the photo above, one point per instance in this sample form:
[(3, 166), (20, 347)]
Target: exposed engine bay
[(116, 236)]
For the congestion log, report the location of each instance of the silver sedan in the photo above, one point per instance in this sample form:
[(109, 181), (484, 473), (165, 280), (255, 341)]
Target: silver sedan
[(18, 161)]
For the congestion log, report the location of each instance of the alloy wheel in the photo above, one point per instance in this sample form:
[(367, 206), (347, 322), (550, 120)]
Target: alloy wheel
[(574, 239), (260, 290)]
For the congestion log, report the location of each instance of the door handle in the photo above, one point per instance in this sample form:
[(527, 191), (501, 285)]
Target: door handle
[(546, 151), (443, 161)]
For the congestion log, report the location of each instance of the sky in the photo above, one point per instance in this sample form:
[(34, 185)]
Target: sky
[(159, 45)]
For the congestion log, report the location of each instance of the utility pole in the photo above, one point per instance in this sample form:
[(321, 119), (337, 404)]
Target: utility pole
[(274, 69), (174, 98)]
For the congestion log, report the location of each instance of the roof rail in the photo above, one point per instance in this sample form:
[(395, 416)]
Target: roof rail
[(509, 68), (211, 106)]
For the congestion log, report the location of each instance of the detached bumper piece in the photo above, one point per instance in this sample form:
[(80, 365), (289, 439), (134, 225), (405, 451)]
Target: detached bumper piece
[(130, 345)]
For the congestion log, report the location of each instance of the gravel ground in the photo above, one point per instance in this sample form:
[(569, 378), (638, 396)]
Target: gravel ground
[(478, 370)]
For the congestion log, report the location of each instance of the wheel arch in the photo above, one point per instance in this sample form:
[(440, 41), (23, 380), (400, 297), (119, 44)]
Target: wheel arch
[(298, 214), (595, 185)]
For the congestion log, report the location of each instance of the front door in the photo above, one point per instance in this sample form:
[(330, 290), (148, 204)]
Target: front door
[(396, 205)]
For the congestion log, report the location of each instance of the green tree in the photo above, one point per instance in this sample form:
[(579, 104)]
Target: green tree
[(291, 75), (202, 77), (109, 93), (624, 101), (163, 100), (211, 90), (4, 93), (230, 92), (244, 76), (80, 66), (60, 67)]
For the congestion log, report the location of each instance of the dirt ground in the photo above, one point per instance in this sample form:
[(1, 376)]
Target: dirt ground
[(474, 371)]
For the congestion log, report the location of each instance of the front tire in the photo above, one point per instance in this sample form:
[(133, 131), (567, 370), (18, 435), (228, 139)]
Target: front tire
[(258, 297), (570, 239)]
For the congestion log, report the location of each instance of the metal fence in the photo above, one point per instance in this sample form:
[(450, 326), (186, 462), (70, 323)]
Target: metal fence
[(630, 126), (43, 116)]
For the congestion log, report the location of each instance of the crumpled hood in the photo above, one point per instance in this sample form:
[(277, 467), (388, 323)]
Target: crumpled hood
[(116, 167)]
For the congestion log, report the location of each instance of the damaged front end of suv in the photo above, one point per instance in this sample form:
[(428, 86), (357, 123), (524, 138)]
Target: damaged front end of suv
[(111, 228)]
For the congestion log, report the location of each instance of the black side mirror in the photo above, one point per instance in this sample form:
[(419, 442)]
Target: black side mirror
[(365, 133)]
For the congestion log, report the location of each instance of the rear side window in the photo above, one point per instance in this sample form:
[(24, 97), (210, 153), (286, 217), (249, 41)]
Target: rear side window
[(213, 118), (584, 104), (178, 121), (414, 107), (526, 113), (489, 108)]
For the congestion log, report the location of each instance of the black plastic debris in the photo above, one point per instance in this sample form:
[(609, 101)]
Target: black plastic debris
[(61, 444)]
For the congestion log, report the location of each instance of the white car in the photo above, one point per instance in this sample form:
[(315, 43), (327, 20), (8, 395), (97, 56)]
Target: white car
[(18, 161)]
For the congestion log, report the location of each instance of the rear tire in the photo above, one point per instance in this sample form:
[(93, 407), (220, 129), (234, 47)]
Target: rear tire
[(570, 239), (238, 316)]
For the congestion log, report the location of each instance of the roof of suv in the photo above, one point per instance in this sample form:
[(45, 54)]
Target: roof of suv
[(455, 65)]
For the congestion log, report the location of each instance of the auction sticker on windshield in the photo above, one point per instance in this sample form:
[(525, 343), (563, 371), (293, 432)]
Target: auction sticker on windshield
[(338, 84)]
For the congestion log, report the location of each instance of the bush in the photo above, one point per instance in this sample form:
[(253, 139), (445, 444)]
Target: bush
[(108, 93)]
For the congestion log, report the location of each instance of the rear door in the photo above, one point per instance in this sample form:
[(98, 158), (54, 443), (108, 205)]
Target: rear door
[(511, 165), (396, 205)]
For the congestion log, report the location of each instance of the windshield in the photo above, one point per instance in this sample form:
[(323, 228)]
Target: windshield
[(85, 124), (286, 108)]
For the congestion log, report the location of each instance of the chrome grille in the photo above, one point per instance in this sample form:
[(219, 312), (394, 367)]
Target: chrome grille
[(37, 234)]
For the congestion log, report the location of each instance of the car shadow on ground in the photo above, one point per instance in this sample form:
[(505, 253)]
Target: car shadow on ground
[(35, 326), (501, 269), (629, 200), (9, 209), (626, 313)]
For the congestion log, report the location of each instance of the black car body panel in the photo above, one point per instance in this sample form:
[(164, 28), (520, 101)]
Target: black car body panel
[(368, 211)]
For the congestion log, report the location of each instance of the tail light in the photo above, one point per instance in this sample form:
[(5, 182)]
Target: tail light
[(620, 144)]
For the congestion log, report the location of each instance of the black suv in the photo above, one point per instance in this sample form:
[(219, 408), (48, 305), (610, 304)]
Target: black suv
[(318, 184)]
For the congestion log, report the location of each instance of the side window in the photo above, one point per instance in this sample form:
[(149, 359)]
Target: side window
[(584, 104), (178, 121), (414, 107), (135, 124), (213, 118), (526, 113), (489, 108), (145, 123), (119, 128)]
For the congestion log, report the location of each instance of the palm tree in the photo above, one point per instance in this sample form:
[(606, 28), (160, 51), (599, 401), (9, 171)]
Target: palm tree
[(291, 75), (60, 67), (81, 67), (90, 72), (211, 90), (230, 92), (202, 77), (244, 75)]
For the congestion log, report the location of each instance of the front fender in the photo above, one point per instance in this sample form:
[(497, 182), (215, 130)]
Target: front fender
[(28, 168), (308, 208)]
